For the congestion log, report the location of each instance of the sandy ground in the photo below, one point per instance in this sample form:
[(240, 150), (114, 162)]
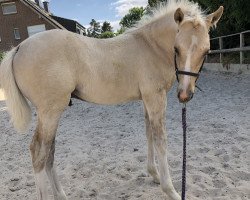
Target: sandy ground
[(101, 150)]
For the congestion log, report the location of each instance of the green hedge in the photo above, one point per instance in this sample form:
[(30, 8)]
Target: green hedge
[(1, 56)]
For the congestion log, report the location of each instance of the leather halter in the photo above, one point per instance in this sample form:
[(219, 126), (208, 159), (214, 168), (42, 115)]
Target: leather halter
[(178, 72)]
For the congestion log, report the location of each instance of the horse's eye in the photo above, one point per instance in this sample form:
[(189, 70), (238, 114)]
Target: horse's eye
[(176, 51)]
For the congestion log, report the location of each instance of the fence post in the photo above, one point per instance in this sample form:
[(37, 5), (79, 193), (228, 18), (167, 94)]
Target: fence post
[(221, 47), (241, 46)]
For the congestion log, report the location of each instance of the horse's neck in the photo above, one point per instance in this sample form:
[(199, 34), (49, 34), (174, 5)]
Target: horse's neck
[(160, 34), (164, 32)]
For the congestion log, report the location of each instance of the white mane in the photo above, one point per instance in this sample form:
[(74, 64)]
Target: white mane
[(191, 10)]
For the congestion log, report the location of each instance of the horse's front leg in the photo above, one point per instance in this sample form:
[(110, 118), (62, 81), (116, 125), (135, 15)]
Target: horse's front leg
[(156, 105), (152, 170)]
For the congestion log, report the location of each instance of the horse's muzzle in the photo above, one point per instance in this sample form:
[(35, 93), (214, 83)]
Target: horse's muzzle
[(185, 96)]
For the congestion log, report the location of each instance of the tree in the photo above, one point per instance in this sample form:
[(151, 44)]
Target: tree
[(120, 31), (154, 3), (106, 30), (106, 27), (130, 19), (1, 56), (95, 29), (234, 19), (107, 34)]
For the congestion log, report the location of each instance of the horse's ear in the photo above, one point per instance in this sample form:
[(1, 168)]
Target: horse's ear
[(178, 16), (213, 18)]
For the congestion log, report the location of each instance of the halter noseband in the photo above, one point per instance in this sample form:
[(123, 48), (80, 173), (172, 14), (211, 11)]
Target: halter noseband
[(178, 72)]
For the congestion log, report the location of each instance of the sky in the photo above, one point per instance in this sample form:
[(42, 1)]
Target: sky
[(100, 10)]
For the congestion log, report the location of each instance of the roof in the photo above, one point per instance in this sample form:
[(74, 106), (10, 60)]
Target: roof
[(42, 12), (45, 15), (58, 22), (68, 23)]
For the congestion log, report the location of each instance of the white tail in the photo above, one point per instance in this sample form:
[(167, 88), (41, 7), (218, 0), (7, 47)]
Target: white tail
[(17, 104)]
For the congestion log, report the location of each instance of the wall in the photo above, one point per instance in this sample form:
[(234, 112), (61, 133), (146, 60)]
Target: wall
[(24, 17)]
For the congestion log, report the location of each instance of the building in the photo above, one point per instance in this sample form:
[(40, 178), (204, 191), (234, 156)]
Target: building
[(20, 19), (70, 25)]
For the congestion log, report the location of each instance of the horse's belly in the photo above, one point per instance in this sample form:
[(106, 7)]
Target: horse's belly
[(107, 94)]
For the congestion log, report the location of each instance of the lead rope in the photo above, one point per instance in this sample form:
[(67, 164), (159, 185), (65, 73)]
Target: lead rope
[(184, 127)]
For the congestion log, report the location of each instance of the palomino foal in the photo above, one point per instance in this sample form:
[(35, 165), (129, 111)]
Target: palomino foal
[(49, 67)]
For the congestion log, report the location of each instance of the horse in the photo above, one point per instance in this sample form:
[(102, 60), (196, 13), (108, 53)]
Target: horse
[(50, 67)]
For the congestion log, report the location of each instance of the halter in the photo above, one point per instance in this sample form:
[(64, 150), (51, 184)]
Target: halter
[(178, 72)]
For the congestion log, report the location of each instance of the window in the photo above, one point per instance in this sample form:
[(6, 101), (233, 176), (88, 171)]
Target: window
[(9, 8), (17, 34), (78, 30), (81, 32), (35, 29)]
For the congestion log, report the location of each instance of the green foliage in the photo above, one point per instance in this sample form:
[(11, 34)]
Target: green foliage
[(107, 34), (154, 3), (130, 19), (235, 17), (120, 31), (1, 56), (106, 30), (106, 27), (95, 29)]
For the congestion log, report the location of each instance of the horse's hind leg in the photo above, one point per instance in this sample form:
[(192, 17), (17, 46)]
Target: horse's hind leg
[(52, 175), (152, 170), (42, 151)]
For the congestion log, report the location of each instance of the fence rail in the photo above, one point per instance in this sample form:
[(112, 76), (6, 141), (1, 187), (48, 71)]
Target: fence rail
[(242, 48)]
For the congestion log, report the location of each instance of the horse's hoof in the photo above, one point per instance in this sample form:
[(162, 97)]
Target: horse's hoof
[(176, 196)]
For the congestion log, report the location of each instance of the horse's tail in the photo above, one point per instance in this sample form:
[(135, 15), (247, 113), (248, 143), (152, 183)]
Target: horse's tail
[(17, 104)]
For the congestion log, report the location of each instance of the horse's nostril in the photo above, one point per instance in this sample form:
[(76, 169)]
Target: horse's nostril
[(185, 96), (179, 93), (191, 94)]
